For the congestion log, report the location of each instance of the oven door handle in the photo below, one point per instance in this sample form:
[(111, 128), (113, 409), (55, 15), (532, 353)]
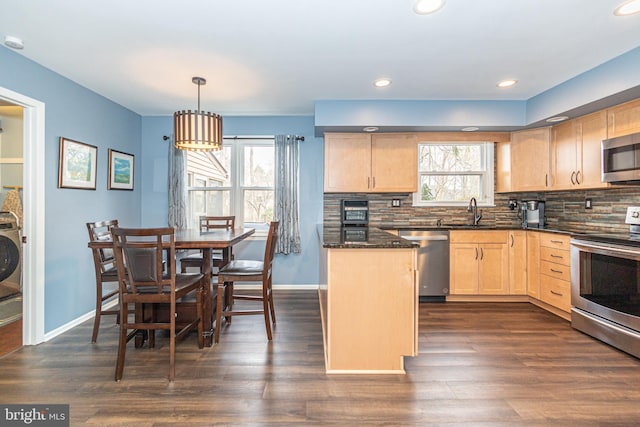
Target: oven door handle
[(608, 249)]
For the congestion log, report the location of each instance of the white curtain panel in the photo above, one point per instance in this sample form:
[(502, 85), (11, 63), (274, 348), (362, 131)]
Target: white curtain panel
[(177, 188), (286, 194)]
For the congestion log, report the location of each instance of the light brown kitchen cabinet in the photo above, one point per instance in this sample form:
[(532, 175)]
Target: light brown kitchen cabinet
[(623, 119), (518, 262), (576, 152), (529, 152), (503, 167), (533, 264), (479, 263), (555, 271), (379, 163)]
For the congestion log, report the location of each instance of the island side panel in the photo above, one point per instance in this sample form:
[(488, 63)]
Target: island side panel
[(371, 309)]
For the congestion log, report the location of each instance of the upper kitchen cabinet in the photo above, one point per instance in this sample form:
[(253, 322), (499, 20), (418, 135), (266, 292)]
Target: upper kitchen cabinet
[(529, 159), (379, 163), (576, 158), (623, 119)]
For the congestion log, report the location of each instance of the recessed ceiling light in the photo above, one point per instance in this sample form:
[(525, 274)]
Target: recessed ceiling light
[(383, 82), (557, 119), (425, 7), (506, 83), (630, 7), (370, 129), (13, 42), (470, 129)]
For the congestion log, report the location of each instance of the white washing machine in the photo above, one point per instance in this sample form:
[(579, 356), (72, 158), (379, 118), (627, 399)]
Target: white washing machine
[(10, 256)]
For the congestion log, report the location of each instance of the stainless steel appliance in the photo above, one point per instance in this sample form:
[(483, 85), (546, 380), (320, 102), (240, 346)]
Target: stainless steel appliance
[(621, 159), (354, 212), (605, 286), (433, 262), (531, 213)]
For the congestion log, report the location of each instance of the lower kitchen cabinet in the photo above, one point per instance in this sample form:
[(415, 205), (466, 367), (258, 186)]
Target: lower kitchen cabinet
[(533, 264), (555, 270), (479, 263), (369, 309), (518, 262)]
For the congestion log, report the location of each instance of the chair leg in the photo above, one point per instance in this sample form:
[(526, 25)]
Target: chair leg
[(122, 343), (265, 309), (96, 319), (172, 344), (220, 297), (229, 302), (200, 314), (271, 307)]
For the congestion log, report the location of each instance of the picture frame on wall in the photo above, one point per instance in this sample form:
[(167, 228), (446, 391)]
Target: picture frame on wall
[(77, 165), (120, 170)]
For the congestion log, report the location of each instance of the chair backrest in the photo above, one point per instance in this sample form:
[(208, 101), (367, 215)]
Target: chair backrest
[(101, 231), (213, 222), (142, 250), (270, 248)]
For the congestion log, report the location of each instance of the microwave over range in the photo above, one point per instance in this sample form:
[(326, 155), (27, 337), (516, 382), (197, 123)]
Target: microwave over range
[(621, 159)]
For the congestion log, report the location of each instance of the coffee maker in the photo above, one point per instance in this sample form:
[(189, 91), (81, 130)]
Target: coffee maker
[(531, 213)]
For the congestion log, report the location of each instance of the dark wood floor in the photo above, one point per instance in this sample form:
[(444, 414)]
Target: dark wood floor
[(479, 364)]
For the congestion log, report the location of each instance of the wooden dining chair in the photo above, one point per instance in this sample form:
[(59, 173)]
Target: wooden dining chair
[(248, 271), (208, 223), (145, 282), (105, 270)]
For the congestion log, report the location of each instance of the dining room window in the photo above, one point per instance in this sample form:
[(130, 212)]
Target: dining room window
[(237, 180)]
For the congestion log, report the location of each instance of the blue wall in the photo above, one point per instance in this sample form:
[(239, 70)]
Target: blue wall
[(291, 269), (77, 113)]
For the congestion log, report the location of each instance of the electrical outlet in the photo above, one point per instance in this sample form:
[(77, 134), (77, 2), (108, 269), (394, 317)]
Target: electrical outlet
[(587, 204), (395, 203)]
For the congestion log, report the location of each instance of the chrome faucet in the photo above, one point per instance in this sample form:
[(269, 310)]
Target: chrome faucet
[(473, 208)]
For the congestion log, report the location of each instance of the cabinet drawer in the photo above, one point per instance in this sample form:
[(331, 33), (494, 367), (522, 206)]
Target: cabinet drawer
[(558, 271), (472, 236), (555, 292), (557, 256), (558, 241)]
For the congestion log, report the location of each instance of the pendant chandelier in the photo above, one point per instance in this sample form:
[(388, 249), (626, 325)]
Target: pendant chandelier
[(197, 130)]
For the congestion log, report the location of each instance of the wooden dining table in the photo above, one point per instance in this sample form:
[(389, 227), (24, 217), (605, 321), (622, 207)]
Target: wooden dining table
[(207, 242)]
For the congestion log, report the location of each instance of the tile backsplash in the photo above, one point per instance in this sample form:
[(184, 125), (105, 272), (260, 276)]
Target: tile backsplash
[(565, 210)]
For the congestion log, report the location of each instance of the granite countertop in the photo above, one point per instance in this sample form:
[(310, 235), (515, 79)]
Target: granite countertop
[(464, 227), (333, 236)]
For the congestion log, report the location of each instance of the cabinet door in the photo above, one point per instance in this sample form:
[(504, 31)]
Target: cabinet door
[(592, 131), (347, 162), (530, 160), (503, 167), (394, 163), (518, 262), (623, 119), (463, 269), (533, 264), (493, 269), (564, 155)]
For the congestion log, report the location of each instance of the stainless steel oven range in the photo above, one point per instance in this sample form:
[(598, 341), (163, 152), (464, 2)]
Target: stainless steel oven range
[(605, 286)]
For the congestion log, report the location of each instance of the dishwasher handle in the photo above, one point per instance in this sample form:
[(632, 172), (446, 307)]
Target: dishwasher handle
[(424, 238)]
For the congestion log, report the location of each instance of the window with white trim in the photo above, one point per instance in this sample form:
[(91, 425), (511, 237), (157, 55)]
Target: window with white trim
[(450, 173), (237, 180)]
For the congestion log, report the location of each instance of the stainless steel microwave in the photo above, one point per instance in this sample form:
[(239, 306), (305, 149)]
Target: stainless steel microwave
[(621, 159)]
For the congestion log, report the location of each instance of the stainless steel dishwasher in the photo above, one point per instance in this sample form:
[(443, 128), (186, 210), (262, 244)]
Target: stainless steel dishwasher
[(433, 262)]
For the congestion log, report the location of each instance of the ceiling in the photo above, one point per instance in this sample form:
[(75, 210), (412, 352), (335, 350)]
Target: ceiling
[(277, 57)]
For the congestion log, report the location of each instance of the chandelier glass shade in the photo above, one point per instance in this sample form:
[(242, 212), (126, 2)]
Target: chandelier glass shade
[(197, 130)]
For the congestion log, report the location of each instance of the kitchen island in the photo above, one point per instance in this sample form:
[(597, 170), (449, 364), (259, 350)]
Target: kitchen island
[(368, 299)]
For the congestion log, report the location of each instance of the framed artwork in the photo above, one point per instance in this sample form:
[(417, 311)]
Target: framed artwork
[(77, 165), (120, 170)]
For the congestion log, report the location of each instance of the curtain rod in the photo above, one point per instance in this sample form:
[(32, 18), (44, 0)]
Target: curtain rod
[(242, 138)]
